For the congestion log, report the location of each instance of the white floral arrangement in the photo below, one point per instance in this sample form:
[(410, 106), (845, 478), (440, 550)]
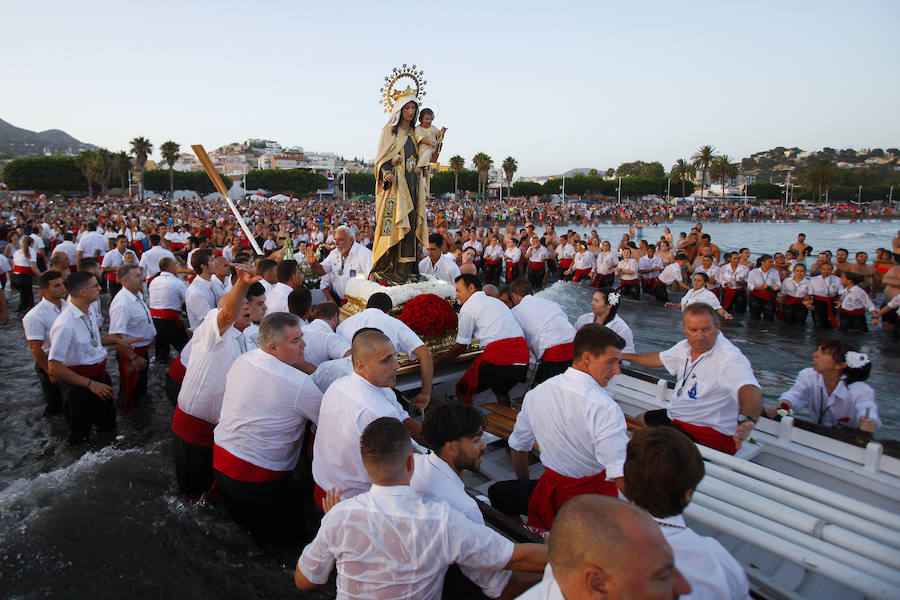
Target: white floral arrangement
[(856, 360), (361, 289), (613, 298)]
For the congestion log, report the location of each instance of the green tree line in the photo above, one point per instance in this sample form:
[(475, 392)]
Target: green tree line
[(287, 181), (157, 180)]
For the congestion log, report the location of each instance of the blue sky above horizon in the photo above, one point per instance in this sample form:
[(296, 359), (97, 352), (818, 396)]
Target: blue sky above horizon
[(579, 84)]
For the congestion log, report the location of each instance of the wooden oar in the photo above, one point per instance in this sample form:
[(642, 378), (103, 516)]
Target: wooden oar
[(220, 187)]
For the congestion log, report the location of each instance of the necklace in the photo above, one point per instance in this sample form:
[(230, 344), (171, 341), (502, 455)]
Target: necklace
[(672, 525), (84, 320)]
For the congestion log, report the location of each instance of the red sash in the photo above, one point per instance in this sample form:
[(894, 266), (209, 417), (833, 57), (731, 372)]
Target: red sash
[(791, 300), (238, 468), (96, 371), (191, 429), (650, 283), (565, 263), (553, 490), (2, 279), (729, 294), (829, 302), (559, 353), (855, 312), (176, 246), (177, 370), (73, 268), (509, 269), (623, 283), (508, 351), (167, 314), (111, 276), (495, 261), (149, 281), (128, 378), (579, 273), (764, 295), (22, 270), (604, 280), (319, 496), (536, 266), (709, 437)]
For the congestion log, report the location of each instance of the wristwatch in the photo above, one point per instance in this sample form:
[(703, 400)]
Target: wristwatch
[(743, 418)]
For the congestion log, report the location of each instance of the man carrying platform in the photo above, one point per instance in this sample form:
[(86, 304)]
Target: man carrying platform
[(547, 330), (351, 403), (504, 361), (588, 458), (217, 343), (265, 408), (437, 263), (37, 324), (717, 398), (390, 543), (166, 299)]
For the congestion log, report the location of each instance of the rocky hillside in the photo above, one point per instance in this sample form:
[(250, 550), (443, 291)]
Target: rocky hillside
[(17, 142)]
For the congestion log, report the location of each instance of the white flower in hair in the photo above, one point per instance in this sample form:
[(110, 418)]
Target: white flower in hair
[(613, 298), (856, 360)]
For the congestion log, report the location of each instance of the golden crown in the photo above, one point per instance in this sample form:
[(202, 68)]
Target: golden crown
[(415, 85)]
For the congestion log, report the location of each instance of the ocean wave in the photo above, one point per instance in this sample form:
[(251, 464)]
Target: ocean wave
[(855, 235)]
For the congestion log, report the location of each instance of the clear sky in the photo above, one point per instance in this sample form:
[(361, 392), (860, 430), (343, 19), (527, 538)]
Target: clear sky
[(557, 85)]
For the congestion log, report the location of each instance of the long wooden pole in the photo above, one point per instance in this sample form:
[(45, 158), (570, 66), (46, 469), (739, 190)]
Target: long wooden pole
[(203, 157)]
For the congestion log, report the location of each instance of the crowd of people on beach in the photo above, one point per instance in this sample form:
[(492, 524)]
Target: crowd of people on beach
[(283, 411)]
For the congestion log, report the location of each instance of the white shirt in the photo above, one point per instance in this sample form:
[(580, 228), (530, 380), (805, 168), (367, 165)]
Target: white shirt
[(628, 264), (38, 322), (322, 343), (75, 338), (130, 317), (5, 267), (220, 288), (713, 273), (330, 371), (476, 245), (93, 244), (539, 254), (733, 278), (855, 297), (348, 406), (357, 262), (20, 260), (265, 408), (445, 268), (150, 260), (512, 255), (567, 251), (544, 324), (277, 299), (434, 480), (580, 429), (547, 589), (199, 299), (703, 295), (402, 337), (769, 278), (493, 252), (617, 324), (606, 262), (706, 390), (113, 259), (712, 572), (671, 274), (211, 358), (390, 543), (167, 292), (584, 260), (844, 406), (68, 248), (486, 319), (794, 289), (819, 286), (655, 265)]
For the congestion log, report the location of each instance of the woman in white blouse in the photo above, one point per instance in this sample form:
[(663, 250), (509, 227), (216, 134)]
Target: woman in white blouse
[(627, 270), (699, 293), (796, 296), (854, 302), (25, 269)]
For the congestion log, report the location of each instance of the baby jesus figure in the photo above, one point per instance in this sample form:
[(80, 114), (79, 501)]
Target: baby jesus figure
[(429, 141)]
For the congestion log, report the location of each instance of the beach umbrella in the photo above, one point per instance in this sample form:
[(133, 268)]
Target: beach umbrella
[(365, 197)]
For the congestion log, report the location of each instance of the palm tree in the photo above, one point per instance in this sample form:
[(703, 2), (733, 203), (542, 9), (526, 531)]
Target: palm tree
[(701, 159), (510, 166), (683, 171), (169, 151), (722, 168), (457, 164), (821, 175), (121, 166), (103, 168), (85, 163), (483, 164), (141, 148)]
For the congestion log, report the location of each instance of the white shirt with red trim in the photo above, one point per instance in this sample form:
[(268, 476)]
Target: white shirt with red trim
[(322, 343), (38, 322), (167, 292), (129, 316), (486, 319), (544, 324), (402, 337)]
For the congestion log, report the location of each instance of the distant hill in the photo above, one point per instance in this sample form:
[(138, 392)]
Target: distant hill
[(17, 142)]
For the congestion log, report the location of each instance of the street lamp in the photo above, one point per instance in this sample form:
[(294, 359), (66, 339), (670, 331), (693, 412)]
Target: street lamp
[(344, 183)]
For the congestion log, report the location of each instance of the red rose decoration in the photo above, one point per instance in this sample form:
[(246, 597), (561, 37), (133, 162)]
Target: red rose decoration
[(428, 315)]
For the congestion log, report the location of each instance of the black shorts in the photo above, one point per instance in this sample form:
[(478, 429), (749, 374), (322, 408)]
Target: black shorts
[(501, 378)]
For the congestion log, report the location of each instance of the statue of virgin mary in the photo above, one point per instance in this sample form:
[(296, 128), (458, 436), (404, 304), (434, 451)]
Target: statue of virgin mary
[(400, 197)]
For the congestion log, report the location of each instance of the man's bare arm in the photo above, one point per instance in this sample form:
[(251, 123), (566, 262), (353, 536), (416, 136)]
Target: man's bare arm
[(528, 557), (520, 463), (301, 581), (647, 359)]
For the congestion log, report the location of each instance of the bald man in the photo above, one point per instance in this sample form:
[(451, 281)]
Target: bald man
[(634, 560), (351, 403)]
